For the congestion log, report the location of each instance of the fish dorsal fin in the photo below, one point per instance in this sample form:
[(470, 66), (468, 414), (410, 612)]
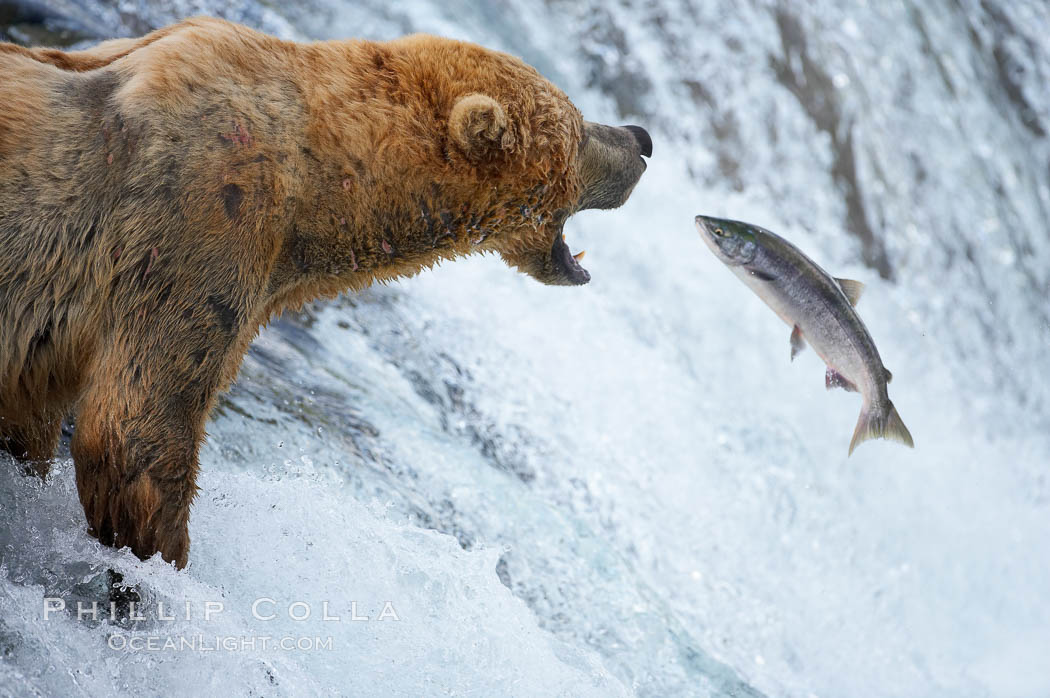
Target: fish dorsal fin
[(798, 342), (889, 376), (853, 289)]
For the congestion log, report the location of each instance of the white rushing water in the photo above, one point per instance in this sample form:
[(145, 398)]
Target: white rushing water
[(627, 488)]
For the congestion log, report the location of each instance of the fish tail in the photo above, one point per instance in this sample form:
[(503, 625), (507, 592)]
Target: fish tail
[(884, 423)]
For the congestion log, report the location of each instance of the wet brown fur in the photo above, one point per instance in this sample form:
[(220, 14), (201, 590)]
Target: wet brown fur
[(163, 197)]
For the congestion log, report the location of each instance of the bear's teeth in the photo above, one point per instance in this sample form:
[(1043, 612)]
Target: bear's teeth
[(579, 255)]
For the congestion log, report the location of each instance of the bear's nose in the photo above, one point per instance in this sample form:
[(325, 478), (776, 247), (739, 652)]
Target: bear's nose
[(644, 141)]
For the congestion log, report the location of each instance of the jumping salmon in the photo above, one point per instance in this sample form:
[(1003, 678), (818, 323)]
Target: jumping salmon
[(819, 309)]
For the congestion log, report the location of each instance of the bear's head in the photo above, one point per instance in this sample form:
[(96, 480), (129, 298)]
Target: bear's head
[(520, 134), (454, 148), (571, 165)]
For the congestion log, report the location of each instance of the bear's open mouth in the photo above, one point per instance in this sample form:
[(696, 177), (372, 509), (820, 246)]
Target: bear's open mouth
[(567, 263)]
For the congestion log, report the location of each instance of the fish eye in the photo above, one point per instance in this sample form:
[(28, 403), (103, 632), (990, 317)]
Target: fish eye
[(721, 233)]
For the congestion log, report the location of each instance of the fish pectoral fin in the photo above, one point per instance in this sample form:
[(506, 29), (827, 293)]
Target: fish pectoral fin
[(798, 342), (834, 379), (853, 289)]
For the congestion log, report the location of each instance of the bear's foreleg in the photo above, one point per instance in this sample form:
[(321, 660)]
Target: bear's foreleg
[(138, 432)]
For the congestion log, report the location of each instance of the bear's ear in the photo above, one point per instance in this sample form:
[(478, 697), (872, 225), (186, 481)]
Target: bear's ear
[(479, 126)]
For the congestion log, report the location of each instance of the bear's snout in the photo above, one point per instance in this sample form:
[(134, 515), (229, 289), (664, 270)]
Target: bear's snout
[(645, 142), (611, 164)]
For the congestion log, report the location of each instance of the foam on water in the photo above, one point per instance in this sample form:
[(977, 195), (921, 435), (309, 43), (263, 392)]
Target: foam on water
[(261, 545)]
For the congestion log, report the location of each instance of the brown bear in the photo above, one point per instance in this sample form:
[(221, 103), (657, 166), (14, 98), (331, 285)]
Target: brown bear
[(161, 198)]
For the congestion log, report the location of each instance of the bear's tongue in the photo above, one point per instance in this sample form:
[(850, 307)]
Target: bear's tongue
[(567, 263)]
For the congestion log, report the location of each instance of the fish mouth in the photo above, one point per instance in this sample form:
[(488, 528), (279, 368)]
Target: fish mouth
[(566, 265), (733, 242), (703, 226), (706, 227)]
